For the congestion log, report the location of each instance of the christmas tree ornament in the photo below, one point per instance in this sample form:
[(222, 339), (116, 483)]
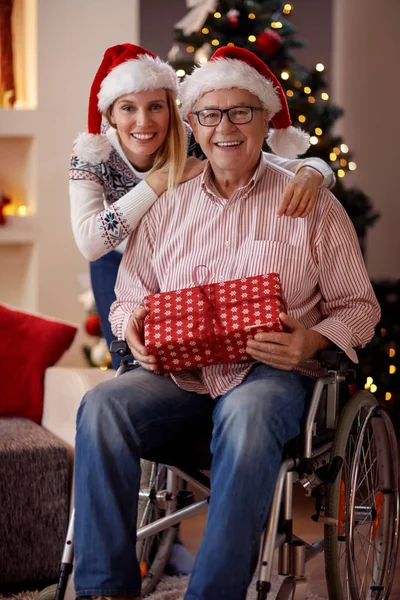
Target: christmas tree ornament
[(203, 54), (233, 17), (268, 42), (4, 201), (100, 355), (92, 325), (195, 19)]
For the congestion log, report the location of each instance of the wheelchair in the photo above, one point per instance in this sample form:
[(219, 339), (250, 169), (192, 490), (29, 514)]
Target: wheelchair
[(346, 459)]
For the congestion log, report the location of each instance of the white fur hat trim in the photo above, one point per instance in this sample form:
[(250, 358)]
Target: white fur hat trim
[(228, 73), (91, 147), (137, 75), (289, 142)]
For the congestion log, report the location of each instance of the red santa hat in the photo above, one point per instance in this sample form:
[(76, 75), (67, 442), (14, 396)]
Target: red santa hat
[(233, 67), (125, 68)]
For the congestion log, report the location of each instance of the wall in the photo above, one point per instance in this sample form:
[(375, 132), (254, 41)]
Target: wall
[(366, 57)]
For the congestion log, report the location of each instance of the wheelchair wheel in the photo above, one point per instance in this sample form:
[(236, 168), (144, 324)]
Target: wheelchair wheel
[(361, 548), (153, 552)]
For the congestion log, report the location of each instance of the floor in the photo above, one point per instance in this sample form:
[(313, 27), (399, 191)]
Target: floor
[(304, 527)]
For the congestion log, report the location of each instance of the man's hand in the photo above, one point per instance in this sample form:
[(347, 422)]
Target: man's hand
[(300, 194), (286, 350), (134, 337)]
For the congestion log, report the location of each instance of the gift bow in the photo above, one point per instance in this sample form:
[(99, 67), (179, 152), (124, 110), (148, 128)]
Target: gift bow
[(197, 16)]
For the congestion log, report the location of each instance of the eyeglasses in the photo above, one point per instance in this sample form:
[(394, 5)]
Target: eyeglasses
[(238, 115)]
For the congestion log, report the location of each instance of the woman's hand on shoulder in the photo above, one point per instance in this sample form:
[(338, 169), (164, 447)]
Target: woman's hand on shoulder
[(193, 168), (300, 194)]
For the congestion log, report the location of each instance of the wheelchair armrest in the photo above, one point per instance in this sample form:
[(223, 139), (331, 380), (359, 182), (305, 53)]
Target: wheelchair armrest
[(334, 360), (120, 347)]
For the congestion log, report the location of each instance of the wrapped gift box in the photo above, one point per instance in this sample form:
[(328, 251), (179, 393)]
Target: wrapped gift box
[(210, 324)]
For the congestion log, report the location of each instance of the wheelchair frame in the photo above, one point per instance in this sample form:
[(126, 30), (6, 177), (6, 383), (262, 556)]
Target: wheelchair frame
[(293, 552)]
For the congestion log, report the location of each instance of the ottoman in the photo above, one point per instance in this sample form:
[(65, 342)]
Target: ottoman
[(34, 502)]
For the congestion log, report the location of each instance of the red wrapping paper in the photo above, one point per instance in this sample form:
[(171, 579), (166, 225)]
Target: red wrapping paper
[(210, 324)]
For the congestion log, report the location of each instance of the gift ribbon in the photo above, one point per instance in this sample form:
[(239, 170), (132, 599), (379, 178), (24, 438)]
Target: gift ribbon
[(210, 314)]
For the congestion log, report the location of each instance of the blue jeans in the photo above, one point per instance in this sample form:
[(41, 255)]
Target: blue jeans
[(103, 275), (122, 418)]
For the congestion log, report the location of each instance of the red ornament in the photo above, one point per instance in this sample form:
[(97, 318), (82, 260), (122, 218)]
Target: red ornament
[(92, 325), (268, 42), (3, 202), (233, 17)]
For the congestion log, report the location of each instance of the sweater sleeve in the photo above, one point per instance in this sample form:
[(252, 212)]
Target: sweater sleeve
[(97, 229), (294, 165)]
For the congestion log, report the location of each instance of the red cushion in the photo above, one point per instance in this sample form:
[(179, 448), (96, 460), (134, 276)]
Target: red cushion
[(28, 345)]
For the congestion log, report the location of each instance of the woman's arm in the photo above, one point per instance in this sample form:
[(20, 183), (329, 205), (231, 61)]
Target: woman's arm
[(97, 229), (294, 165)]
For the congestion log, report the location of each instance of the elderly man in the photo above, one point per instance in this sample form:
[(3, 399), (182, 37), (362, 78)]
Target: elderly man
[(225, 219)]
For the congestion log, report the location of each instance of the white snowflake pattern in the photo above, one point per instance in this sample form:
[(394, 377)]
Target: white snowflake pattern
[(167, 313), (256, 305), (233, 294), (158, 345), (185, 355), (161, 351), (229, 348), (237, 335), (234, 309), (208, 352), (157, 336), (179, 308), (156, 311), (176, 361), (179, 331), (168, 304), (192, 343), (168, 329), (189, 301), (173, 353), (157, 327), (188, 364), (198, 357), (190, 334), (171, 347), (189, 292), (245, 311), (163, 359), (168, 338), (232, 356), (235, 326), (242, 350), (257, 313), (235, 317), (246, 319), (269, 315)]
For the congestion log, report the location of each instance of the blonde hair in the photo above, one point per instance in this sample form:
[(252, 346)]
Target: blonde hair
[(172, 154)]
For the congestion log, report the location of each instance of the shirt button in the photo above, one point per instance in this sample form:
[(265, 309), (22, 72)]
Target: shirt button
[(227, 244)]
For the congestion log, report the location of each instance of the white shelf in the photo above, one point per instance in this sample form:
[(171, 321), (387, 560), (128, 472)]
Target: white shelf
[(18, 231), (18, 123)]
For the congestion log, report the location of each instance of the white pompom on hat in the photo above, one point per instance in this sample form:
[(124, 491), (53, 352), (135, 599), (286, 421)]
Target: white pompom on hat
[(125, 68), (233, 67)]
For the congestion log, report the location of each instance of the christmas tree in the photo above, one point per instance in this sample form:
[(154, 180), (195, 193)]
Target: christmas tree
[(264, 27)]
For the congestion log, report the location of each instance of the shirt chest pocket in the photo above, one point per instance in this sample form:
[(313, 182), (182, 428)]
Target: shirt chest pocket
[(287, 260)]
